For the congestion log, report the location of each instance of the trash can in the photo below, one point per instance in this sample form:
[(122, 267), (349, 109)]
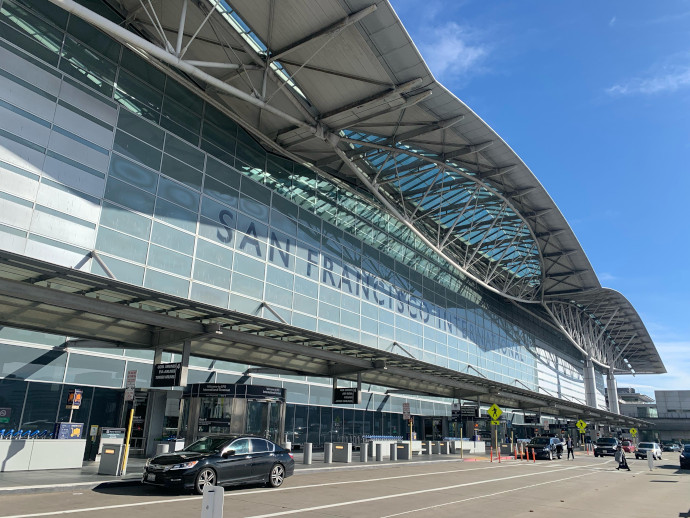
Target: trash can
[(111, 460), (162, 447)]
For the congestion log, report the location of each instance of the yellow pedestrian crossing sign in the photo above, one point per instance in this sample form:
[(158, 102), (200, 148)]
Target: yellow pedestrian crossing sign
[(494, 412), (633, 432), (495, 422), (581, 425)]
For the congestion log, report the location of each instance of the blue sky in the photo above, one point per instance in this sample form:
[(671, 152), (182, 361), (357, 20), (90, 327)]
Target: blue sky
[(595, 98)]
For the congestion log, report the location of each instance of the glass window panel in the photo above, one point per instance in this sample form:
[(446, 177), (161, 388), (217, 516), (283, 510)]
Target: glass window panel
[(124, 194), (306, 287), (329, 312), (283, 223), (121, 245), (255, 191), (176, 215), (304, 321), (125, 221), (253, 240), (180, 131), (218, 231), (133, 173), (213, 210), (220, 191), (34, 337), (183, 96), (137, 97), (350, 319), (94, 370), (87, 66), (41, 407), (172, 238), (243, 304), (249, 266), (144, 371), (213, 253), (178, 194), (184, 152), (296, 392), (94, 38), (279, 277), (178, 114), (209, 295), (211, 274), (141, 129), (181, 172), (170, 261), (276, 295), (221, 153), (305, 304), (31, 33), (122, 270), (136, 149), (166, 283), (32, 363), (247, 286), (146, 72), (12, 395), (222, 172)]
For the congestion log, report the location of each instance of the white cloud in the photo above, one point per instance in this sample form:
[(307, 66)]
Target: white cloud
[(450, 51), (612, 22), (667, 81), (675, 358), (606, 277)]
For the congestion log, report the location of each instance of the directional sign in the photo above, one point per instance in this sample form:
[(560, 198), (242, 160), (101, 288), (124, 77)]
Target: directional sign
[(581, 425), (494, 412), (633, 432)]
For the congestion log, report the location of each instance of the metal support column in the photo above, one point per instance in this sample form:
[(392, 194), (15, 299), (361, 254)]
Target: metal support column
[(590, 384), (612, 390)]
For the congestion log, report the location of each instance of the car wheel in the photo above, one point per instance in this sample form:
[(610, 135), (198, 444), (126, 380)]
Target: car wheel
[(205, 477), (276, 476)]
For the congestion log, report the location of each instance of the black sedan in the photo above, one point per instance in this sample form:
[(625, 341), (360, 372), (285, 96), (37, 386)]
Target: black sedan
[(547, 447), (685, 456), (221, 460)]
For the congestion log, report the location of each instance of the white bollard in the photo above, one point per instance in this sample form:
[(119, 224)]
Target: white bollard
[(650, 460), (212, 502)]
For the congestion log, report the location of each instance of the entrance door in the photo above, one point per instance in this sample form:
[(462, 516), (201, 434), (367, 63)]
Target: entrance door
[(263, 419)]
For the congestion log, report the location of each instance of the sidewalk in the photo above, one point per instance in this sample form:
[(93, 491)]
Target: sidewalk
[(86, 478)]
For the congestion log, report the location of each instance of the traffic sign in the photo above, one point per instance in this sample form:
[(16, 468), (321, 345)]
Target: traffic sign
[(496, 422), (633, 432), (495, 412), (406, 411), (581, 425)]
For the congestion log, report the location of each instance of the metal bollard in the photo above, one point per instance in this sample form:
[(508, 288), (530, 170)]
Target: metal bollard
[(379, 452), (429, 450), (212, 502), (363, 451), (307, 452), (394, 451), (328, 452)]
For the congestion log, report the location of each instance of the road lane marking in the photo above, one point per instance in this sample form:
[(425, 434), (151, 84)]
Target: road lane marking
[(484, 496), (409, 493), (242, 493)]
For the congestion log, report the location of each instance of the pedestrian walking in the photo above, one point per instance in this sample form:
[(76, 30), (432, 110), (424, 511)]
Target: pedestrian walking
[(620, 459), (569, 445)]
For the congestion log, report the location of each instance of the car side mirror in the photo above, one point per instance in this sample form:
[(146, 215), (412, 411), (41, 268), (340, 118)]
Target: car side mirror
[(228, 453)]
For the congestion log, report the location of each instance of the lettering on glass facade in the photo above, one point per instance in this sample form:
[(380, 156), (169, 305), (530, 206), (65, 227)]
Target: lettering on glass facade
[(353, 281)]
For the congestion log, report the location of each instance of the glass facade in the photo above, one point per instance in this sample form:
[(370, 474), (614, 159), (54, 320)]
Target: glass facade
[(101, 151)]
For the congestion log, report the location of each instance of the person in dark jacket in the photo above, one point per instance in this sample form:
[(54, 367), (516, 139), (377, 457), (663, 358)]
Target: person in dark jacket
[(569, 445), (620, 458)]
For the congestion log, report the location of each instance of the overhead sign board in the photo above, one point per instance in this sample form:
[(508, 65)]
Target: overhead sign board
[(346, 396), (494, 412), (406, 411), (166, 375)]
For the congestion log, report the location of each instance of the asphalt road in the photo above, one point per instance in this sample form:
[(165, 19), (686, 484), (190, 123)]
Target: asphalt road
[(580, 488)]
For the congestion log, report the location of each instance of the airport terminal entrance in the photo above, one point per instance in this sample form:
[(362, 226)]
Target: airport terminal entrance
[(223, 408)]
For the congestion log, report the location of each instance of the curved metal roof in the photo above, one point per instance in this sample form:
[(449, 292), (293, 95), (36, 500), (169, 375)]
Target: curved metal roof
[(339, 85)]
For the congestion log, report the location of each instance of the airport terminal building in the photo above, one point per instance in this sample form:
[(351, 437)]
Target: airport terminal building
[(278, 195)]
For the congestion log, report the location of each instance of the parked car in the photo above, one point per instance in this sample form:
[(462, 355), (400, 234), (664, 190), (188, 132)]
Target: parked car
[(645, 448), (670, 446), (221, 460), (605, 446), (685, 457), (546, 447), (628, 446)]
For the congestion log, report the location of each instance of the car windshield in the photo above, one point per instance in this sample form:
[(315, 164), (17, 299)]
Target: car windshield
[(646, 445), (606, 441), (626, 443), (207, 445), (686, 448), (540, 440)]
